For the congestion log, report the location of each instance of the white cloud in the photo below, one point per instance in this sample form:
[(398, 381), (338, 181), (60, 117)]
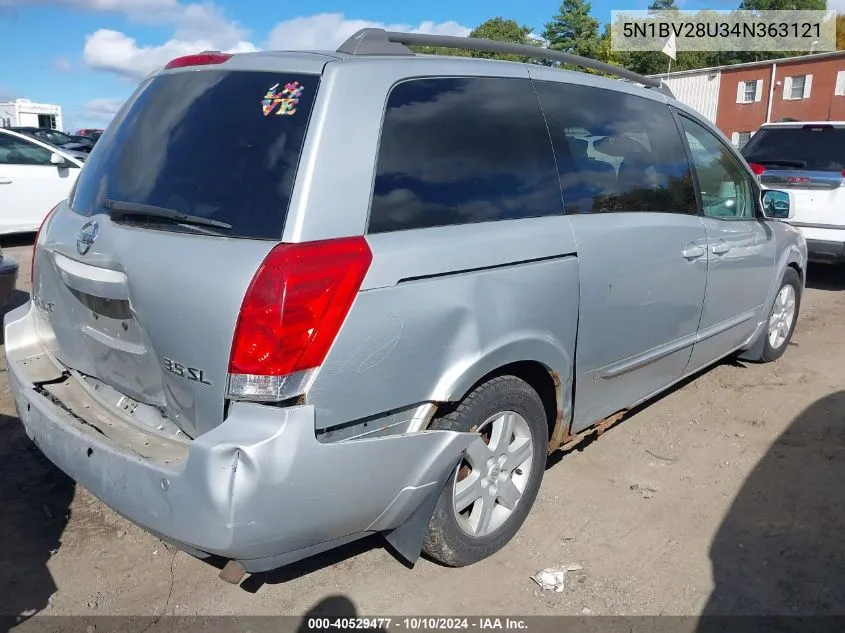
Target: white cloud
[(118, 53), (61, 63), (203, 27), (329, 30), (102, 110), (142, 9)]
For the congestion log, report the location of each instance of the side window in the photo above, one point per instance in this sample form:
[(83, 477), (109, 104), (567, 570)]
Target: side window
[(15, 151), (461, 151), (725, 186), (616, 152)]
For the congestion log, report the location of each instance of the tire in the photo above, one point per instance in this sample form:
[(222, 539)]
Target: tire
[(457, 539), (774, 349)]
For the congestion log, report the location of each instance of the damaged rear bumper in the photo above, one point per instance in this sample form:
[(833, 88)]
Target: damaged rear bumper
[(259, 488)]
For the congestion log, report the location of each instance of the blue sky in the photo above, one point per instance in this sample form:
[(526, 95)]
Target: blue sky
[(88, 55)]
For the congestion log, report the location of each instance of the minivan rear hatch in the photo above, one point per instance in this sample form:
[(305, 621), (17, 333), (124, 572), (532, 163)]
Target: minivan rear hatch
[(140, 278), (806, 159)]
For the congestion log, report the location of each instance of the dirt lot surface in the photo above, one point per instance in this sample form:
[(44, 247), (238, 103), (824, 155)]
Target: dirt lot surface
[(723, 496)]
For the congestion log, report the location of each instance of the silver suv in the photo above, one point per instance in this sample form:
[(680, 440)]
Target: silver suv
[(301, 297)]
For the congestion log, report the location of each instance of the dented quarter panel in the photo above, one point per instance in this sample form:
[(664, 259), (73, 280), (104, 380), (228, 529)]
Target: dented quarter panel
[(444, 307)]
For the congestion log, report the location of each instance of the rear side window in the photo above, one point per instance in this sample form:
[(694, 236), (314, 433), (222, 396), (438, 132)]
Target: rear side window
[(817, 148), (211, 143), (616, 152), (460, 151)]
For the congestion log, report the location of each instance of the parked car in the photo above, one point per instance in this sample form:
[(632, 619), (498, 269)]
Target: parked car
[(266, 343), (807, 160), (58, 139), (93, 133), (34, 177)]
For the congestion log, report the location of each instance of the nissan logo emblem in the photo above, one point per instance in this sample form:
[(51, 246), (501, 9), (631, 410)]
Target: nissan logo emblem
[(86, 237)]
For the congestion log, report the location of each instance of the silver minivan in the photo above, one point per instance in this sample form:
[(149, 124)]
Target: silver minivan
[(297, 298)]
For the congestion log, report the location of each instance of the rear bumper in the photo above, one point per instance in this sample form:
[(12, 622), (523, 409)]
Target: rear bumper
[(8, 278), (822, 251), (825, 242), (260, 488)]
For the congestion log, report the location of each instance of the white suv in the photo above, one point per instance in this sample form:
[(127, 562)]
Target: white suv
[(807, 159)]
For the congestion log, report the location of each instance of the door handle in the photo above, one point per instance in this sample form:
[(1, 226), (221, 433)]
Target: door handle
[(693, 251), (5, 181), (720, 248)]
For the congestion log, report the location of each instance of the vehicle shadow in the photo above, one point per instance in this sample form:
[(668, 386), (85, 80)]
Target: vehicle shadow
[(780, 549), (36, 507), (337, 556), (332, 607), (826, 277), (16, 300), (17, 239)]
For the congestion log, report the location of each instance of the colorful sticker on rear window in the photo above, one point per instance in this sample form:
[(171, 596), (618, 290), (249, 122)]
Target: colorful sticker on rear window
[(282, 100)]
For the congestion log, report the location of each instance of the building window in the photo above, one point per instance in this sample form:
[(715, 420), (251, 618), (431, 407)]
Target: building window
[(47, 121), (839, 90), (742, 139), (749, 91), (796, 88)]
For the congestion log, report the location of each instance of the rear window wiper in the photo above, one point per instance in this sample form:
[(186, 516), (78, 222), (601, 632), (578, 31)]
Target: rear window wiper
[(128, 209), (798, 164)]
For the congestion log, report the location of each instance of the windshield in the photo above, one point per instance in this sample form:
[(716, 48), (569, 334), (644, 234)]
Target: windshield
[(215, 144), (819, 148)]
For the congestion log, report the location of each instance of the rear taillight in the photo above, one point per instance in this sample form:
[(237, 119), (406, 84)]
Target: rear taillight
[(35, 243), (758, 169), (200, 59), (291, 314)]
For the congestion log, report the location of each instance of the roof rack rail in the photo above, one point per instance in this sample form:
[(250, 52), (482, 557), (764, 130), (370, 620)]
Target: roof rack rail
[(372, 41)]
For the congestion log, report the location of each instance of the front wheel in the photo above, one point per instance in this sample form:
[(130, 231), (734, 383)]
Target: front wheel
[(782, 317), (490, 493)]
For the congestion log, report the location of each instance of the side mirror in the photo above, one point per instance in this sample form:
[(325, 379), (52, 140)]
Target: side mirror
[(775, 204), (58, 160)]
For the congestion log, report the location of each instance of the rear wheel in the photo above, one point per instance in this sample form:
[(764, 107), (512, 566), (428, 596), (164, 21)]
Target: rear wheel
[(490, 493)]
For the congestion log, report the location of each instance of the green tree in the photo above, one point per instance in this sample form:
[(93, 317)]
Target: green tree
[(505, 31), (574, 30), (663, 5), (496, 28), (783, 5), (840, 32)]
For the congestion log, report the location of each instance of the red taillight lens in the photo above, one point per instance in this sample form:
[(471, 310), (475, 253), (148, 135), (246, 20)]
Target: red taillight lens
[(758, 169), (35, 243), (296, 304), (201, 59)]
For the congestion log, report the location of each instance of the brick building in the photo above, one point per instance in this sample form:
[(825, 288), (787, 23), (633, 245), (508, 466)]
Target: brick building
[(740, 98)]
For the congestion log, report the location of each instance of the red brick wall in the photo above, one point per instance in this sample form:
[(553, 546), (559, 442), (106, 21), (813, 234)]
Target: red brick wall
[(741, 117), (822, 105)]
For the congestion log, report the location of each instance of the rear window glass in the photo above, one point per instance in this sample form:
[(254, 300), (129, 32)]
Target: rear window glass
[(211, 143), (814, 148), (460, 151)]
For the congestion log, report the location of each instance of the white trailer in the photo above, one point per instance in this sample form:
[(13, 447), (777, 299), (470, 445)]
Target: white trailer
[(25, 113)]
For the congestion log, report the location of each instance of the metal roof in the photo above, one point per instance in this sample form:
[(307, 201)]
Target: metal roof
[(784, 60)]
